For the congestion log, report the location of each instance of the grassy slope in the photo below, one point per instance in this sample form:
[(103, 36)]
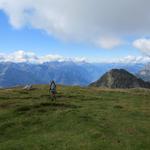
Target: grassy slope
[(80, 119)]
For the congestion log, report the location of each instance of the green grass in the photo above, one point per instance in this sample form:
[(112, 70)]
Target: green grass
[(80, 119)]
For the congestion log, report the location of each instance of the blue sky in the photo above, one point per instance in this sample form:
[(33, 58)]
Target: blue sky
[(43, 40)]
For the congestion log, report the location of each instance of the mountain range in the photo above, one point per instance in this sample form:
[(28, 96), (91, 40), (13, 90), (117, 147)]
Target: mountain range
[(67, 72)]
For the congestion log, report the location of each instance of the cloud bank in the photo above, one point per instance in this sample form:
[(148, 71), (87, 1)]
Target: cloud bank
[(30, 57), (82, 20)]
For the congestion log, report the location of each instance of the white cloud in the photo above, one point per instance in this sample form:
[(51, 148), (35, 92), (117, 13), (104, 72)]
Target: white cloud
[(30, 57), (108, 42), (49, 57), (143, 45), (19, 56), (81, 20)]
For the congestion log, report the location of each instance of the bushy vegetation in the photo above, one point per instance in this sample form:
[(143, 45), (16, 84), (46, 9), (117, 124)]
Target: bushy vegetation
[(80, 119)]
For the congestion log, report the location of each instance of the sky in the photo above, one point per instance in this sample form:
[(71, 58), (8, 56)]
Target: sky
[(79, 30)]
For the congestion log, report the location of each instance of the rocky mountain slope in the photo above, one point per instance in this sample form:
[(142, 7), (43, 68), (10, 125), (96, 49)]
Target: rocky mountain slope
[(120, 78)]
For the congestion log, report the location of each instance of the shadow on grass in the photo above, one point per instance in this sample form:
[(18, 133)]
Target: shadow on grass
[(59, 105), (5, 105), (4, 97), (118, 107), (43, 107)]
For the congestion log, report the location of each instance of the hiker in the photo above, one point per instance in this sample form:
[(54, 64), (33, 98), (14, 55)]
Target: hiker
[(53, 89)]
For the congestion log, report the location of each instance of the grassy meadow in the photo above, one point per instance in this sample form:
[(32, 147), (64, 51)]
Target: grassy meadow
[(80, 119)]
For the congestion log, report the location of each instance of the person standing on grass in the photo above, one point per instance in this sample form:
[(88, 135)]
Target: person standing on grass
[(53, 90)]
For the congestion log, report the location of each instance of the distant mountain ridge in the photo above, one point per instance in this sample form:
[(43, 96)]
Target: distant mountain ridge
[(68, 73), (144, 73), (120, 78)]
